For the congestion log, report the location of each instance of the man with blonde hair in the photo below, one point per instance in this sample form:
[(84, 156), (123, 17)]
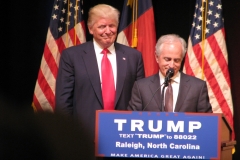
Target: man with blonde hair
[(98, 74)]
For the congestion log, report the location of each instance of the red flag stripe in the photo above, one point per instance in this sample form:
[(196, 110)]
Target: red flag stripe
[(61, 45), (53, 46), (50, 61), (188, 69), (73, 37), (49, 77), (188, 58), (37, 106), (41, 100), (81, 32), (47, 91), (219, 56), (128, 31)]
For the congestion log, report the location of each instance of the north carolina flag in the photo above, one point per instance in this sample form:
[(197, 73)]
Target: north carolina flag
[(137, 29), (66, 29), (207, 56)]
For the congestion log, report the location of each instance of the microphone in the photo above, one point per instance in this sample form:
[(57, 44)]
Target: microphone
[(169, 74)]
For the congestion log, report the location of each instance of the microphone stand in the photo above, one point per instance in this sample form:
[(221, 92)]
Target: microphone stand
[(162, 108), (169, 74)]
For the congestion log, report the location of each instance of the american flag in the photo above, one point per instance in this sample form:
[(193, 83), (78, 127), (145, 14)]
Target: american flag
[(207, 56), (66, 29)]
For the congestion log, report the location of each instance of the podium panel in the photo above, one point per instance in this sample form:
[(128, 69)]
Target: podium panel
[(159, 135)]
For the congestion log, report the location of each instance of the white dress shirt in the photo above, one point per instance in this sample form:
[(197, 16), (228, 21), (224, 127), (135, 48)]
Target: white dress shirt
[(175, 86), (111, 56)]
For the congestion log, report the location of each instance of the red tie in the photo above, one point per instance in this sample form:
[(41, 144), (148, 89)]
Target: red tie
[(108, 87)]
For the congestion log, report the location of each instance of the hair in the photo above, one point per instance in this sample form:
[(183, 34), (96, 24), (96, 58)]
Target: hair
[(102, 11), (170, 38)]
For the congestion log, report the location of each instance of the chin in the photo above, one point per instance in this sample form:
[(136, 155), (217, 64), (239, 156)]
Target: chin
[(108, 43)]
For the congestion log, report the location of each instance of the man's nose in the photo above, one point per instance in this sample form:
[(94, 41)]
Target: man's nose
[(107, 30), (171, 64)]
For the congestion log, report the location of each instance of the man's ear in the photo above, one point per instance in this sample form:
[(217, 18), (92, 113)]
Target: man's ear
[(156, 57), (90, 30)]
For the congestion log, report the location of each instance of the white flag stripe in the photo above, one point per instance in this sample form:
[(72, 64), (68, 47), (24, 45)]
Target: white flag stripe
[(80, 33), (42, 99), (53, 47), (222, 43), (47, 73), (67, 40), (215, 105), (194, 65), (121, 38)]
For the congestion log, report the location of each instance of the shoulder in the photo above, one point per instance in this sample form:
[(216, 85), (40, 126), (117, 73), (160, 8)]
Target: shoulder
[(191, 79), (78, 49), (145, 80)]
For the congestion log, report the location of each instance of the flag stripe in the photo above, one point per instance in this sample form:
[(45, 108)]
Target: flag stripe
[(80, 32), (53, 47), (40, 102), (219, 56), (61, 45), (51, 64), (187, 67), (73, 37), (122, 38), (48, 76), (37, 106), (128, 31), (45, 87)]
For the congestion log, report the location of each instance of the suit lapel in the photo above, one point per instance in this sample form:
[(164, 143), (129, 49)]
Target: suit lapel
[(183, 90), (154, 86), (121, 60), (90, 61)]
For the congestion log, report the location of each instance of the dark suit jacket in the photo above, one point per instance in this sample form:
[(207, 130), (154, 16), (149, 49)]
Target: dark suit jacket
[(192, 96), (78, 87)]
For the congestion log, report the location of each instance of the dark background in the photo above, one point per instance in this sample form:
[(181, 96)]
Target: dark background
[(24, 29)]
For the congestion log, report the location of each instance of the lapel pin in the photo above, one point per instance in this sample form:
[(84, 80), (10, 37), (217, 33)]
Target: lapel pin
[(124, 58)]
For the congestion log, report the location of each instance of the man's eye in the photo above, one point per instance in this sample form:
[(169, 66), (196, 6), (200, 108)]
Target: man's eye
[(111, 25), (167, 59), (177, 60), (101, 27)]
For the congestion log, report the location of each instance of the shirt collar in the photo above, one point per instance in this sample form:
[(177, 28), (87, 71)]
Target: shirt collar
[(98, 48), (175, 78)]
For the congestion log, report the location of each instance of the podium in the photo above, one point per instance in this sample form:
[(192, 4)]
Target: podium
[(226, 143), (162, 135)]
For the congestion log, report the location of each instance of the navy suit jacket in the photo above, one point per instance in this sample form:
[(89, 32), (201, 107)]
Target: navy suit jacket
[(192, 96), (78, 86)]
